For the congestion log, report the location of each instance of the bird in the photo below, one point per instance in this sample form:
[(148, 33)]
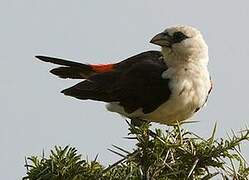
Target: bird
[(167, 86)]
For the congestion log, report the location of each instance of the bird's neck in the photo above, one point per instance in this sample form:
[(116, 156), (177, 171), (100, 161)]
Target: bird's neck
[(202, 63), (173, 60)]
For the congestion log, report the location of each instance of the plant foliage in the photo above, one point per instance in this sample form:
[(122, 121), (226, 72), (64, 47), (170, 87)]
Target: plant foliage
[(171, 155)]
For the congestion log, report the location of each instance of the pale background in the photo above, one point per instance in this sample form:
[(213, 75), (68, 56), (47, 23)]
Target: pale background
[(35, 116)]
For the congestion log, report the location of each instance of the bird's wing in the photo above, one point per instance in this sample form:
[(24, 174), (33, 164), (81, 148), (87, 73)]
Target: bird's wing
[(142, 86), (135, 83)]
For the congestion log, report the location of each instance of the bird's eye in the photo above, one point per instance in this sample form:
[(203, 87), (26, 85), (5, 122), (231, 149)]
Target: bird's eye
[(178, 37)]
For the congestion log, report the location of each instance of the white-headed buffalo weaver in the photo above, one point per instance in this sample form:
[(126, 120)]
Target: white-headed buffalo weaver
[(166, 86)]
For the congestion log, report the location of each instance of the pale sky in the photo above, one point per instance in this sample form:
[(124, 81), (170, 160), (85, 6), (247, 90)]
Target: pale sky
[(36, 116)]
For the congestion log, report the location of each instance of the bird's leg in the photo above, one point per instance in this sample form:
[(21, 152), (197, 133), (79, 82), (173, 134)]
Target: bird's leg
[(138, 122)]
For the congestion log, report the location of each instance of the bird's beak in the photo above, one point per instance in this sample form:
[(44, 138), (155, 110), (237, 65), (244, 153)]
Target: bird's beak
[(162, 39)]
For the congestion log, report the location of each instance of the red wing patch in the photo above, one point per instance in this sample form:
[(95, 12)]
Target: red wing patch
[(101, 68)]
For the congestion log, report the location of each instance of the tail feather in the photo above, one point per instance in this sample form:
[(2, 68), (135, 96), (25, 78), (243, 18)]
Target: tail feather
[(69, 69), (71, 72), (63, 62)]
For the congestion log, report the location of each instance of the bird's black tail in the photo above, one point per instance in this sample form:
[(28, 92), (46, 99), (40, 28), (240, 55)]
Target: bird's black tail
[(69, 69)]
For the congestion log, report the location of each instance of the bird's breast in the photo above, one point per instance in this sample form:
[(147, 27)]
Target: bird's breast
[(189, 87)]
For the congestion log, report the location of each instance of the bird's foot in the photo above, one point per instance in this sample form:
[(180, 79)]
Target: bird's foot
[(138, 122)]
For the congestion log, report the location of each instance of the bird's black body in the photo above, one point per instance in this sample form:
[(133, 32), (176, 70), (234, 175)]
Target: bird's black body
[(134, 83)]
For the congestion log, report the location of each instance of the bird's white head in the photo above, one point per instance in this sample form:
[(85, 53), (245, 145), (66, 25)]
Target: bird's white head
[(182, 44)]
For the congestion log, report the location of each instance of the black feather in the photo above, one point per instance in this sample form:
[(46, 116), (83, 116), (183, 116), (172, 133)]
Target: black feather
[(63, 62), (70, 72), (88, 90), (135, 83), (70, 69)]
